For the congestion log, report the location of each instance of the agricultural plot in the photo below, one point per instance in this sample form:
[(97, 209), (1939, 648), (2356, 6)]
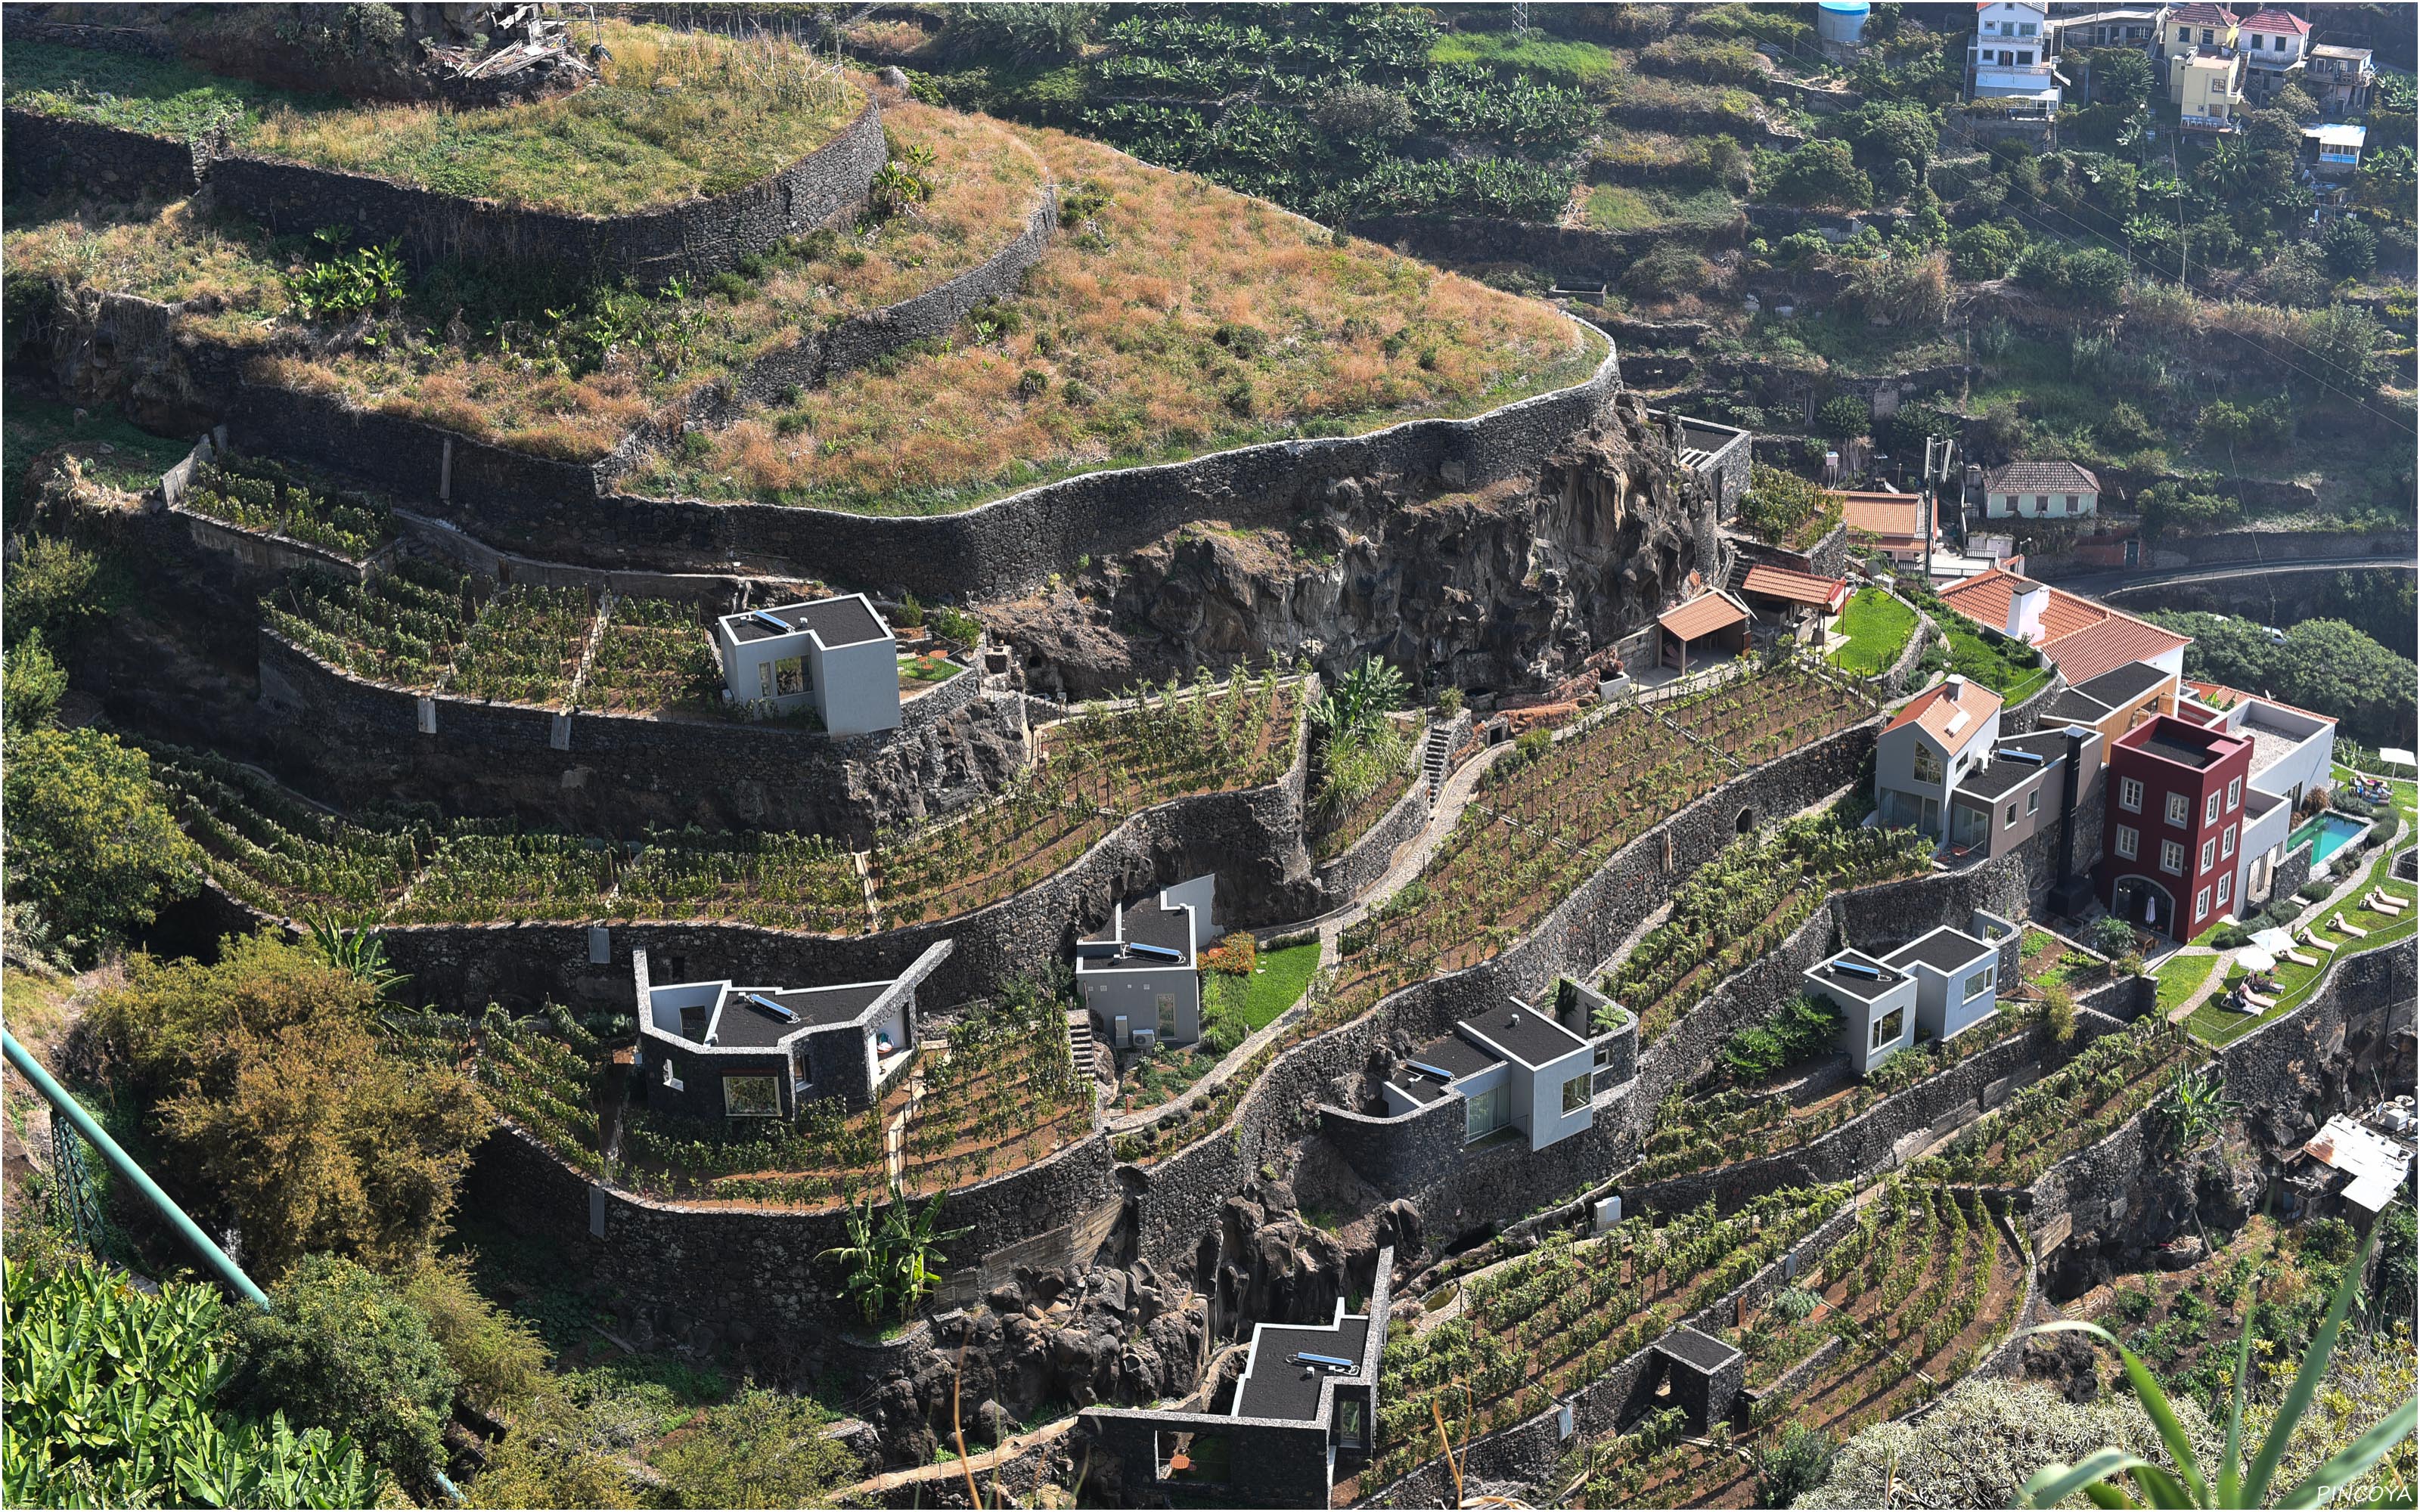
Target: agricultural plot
[(1175, 741), (400, 628), (826, 1157), (1742, 904), (475, 878), (277, 853), (545, 1083), (1536, 1329), (654, 655), (257, 494), (2082, 1103), (1006, 1094), (1917, 1292), (1754, 719), (1345, 831), (957, 865), (779, 881), (525, 647)]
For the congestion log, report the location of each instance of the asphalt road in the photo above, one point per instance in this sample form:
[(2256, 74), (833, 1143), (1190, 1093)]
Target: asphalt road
[(2109, 583)]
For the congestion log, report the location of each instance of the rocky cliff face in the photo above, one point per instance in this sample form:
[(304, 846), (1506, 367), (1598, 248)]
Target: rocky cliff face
[(1511, 587)]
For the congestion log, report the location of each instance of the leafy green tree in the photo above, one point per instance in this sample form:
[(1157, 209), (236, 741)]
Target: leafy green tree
[(760, 1449), (2349, 344), (2323, 665), (280, 1108), (2097, 277), (1844, 415), (2186, 1480), (31, 683), (1887, 130), (1779, 505), (1795, 1462), (501, 1360), (54, 586), (340, 1347), (1823, 173), (92, 850), (112, 1399), (1984, 250), (2350, 246), (2122, 78)]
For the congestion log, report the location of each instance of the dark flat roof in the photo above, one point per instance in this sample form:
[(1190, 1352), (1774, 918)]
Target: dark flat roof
[(836, 622), (1702, 1351), (2178, 751), (1531, 1038), (2122, 685), (1945, 949), (744, 1024), (1997, 778), (1863, 989), (1146, 923), (1420, 1088), (1453, 1052), (2078, 706), (1277, 1389)]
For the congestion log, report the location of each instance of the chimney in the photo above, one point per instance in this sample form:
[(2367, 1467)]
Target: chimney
[(2068, 893), (1956, 684)]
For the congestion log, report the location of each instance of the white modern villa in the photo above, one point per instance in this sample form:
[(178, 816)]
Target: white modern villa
[(834, 656), (1139, 976)]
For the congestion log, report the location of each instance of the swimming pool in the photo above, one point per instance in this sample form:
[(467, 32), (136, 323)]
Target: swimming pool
[(2328, 834)]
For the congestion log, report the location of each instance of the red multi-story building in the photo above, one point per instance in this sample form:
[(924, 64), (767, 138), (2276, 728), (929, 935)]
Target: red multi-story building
[(2172, 821)]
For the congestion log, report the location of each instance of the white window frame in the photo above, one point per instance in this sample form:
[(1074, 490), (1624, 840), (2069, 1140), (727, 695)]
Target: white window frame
[(1979, 982), (2234, 794), (2201, 905), (1896, 1021), (2209, 856), (2225, 888), (2129, 794), (2010, 822), (2126, 841), (2033, 801), (2209, 809), (2180, 809), (2172, 858), (1577, 1103), (2227, 843)]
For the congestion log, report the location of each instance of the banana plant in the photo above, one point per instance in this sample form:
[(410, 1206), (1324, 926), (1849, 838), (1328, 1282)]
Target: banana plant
[(2238, 1483), (358, 951)]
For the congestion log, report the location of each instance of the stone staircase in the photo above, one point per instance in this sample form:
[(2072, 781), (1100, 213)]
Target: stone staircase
[(1084, 1051), (1436, 751)]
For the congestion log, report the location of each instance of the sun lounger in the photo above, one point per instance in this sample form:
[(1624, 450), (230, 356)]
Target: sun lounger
[(2345, 929), (2379, 902), (2300, 959), (2264, 1004), (2311, 939)]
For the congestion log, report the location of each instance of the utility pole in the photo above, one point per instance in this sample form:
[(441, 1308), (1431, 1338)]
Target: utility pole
[(1520, 17)]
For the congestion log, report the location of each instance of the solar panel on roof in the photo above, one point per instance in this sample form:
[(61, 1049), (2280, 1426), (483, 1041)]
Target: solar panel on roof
[(1427, 1070), (768, 617), (2017, 756), (1157, 952), (773, 1008), (1858, 968), (1326, 1362)]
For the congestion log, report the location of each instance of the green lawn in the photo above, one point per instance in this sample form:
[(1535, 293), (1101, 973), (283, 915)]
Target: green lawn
[(1977, 660), (2180, 977), (1877, 627), (1279, 980), (2215, 1026), (1621, 208), (1535, 55)]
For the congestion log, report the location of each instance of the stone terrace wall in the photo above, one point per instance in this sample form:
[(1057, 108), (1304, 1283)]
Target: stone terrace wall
[(1009, 545), (1344, 877), (1172, 1195), (51, 154)]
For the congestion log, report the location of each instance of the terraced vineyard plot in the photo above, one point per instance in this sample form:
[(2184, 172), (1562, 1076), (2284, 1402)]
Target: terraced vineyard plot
[(1537, 1328), (654, 655), (793, 881), (1176, 741), (544, 1083), (2082, 1103), (283, 856), (1755, 720), (955, 866), (260, 495), (1005, 1095), (525, 647), (402, 627), (1918, 1292), (478, 878), (1742, 904), (825, 1158)]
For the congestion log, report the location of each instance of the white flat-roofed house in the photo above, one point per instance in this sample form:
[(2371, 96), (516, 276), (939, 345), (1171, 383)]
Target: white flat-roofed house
[(1877, 1003), (1140, 972), (2335, 151), (724, 1050), (834, 656), (2293, 755), (2015, 56), (1512, 1067), (1957, 978)]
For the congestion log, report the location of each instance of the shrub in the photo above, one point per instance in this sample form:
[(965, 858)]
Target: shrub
[(339, 1345), (280, 1100), (2124, 429), (2058, 1012), (113, 1401), (1449, 701), (1798, 1461), (31, 683), (1984, 251), (2313, 891), (500, 1359), (1805, 1027), (1844, 416), (2350, 246), (2111, 936), (91, 850), (1823, 173), (760, 1449)]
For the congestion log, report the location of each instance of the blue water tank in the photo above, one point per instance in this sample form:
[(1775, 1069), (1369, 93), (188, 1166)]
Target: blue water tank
[(1842, 21)]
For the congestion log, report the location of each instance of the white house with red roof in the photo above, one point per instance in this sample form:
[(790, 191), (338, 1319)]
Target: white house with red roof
[(1936, 738), (2273, 42), (2040, 490), (2081, 638)]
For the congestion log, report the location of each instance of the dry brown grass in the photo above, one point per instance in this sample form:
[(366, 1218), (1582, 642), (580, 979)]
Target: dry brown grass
[(1177, 316), (171, 252)]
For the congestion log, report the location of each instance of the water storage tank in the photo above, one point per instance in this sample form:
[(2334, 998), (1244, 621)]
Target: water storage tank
[(1840, 20)]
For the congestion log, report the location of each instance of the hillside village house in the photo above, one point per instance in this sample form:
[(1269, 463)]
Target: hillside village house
[(1797, 600), (2018, 790), (1510, 1067), (2081, 638), (719, 1050), (2340, 78), (2334, 152), (2136, 26), (1935, 987), (1139, 974), (1934, 739), (2013, 55), (2272, 43), (2171, 835), (834, 656), (2293, 756), (2040, 490), (1891, 523)]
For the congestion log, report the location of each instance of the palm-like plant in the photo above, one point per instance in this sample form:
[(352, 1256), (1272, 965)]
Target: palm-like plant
[(2238, 1483), (2195, 1108), (358, 951), (891, 1263)]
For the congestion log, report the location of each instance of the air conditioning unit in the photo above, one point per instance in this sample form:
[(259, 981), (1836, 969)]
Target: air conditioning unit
[(1145, 1038), (1609, 1212)]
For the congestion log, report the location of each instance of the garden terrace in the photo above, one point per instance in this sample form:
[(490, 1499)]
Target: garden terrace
[(957, 865), (225, 278), (475, 878), (1536, 1329), (1169, 317), (1174, 742), (2113, 1079), (401, 628), (2216, 1025), (279, 855), (676, 116), (2050, 962), (1876, 627), (777, 881), (1538, 827), (1918, 1291), (114, 454), (1344, 831), (257, 494), (823, 1159), (1745, 902), (1235, 1004), (653, 656)]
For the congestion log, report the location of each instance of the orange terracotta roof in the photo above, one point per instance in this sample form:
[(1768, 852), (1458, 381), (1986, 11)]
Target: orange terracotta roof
[(2083, 638), (1890, 516), (1936, 713), (1797, 587), (1702, 616), (2110, 644)]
